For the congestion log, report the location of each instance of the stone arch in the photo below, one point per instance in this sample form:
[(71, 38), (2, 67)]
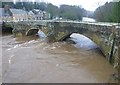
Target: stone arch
[(106, 46), (32, 31), (6, 28)]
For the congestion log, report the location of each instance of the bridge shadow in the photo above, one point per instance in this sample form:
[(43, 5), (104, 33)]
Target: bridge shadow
[(6, 29)]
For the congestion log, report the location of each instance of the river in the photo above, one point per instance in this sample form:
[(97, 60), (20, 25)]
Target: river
[(32, 60), (86, 19)]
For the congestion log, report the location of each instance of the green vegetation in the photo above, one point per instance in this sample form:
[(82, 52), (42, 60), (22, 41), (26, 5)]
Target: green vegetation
[(53, 10), (116, 12), (110, 12), (64, 11), (71, 12)]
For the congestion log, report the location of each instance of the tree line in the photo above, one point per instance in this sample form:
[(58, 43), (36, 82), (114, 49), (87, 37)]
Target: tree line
[(109, 12), (64, 11)]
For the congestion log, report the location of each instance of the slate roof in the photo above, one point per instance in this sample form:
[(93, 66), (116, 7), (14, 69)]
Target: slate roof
[(18, 11), (30, 12), (13, 11)]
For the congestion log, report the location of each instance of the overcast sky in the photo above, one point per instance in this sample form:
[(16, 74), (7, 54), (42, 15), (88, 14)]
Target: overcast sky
[(87, 4)]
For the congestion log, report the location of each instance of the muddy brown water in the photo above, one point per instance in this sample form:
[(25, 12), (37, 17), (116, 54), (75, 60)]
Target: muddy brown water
[(30, 60)]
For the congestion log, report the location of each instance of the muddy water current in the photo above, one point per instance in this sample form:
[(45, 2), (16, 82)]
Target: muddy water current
[(32, 60)]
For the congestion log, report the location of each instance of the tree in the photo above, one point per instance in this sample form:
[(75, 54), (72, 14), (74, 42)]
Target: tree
[(116, 12), (42, 6), (71, 12), (53, 10), (110, 12), (65, 11)]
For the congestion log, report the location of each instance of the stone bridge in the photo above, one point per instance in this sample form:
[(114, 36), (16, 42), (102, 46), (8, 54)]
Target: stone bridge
[(105, 35)]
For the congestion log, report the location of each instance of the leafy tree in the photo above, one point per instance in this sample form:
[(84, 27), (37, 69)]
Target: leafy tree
[(42, 6), (71, 12), (110, 12), (116, 12), (53, 10)]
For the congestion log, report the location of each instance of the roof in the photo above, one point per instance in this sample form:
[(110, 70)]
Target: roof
[(18, 11), (30, 12), (37, 11), (14, 11)]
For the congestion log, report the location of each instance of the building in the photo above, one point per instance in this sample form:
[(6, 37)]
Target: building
[(19, 15), (36, 14), (30, 15), (46, 15), (8, 14), (5, 16)]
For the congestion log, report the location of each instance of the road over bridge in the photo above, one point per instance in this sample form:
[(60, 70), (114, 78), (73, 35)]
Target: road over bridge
[(105, 35)]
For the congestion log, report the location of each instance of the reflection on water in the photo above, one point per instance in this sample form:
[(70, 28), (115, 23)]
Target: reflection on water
[(82, 41), (30, 60), (86, 19)]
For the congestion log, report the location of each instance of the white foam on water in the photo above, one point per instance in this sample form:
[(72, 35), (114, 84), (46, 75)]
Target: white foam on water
[(10, 59), (41, 34)]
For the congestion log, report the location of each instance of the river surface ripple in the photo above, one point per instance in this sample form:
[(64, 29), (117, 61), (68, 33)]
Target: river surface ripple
[(30, 60)]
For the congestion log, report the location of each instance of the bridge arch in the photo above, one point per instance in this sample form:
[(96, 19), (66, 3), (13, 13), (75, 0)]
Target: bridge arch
[(6, 28), (102, 35), (32, 31)]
